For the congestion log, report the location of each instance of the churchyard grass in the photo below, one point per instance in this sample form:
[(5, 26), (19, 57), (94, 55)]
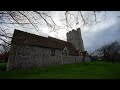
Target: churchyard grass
[(88, 70)]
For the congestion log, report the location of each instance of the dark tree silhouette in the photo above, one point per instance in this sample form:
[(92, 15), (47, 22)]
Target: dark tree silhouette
[(110, 52)]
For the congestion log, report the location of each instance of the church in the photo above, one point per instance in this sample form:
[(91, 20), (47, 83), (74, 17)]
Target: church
[(30, 50)]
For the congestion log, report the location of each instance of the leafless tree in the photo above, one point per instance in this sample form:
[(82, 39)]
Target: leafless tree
[(4, 52), (109, 51), (23, 18)]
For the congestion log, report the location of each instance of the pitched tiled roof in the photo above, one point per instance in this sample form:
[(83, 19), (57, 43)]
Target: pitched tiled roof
[(25, 38)]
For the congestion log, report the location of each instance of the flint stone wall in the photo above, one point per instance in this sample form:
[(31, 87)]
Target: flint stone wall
[(32, 56)]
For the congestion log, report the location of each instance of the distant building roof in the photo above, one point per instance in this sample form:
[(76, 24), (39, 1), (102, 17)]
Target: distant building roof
[(25, 38)]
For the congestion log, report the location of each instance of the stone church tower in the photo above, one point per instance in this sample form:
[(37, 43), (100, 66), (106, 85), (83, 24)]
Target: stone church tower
[(75, 38)]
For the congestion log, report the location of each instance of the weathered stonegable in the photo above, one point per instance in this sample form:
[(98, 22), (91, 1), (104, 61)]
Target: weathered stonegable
[(29, 50)]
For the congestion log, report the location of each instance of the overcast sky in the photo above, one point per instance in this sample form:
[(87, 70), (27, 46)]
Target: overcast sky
[(94, 35)]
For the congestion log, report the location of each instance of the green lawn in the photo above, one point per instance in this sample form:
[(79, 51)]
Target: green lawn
[(2, 67), (91, 70)]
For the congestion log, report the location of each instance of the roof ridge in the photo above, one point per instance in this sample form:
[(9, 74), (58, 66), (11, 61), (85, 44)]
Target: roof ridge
[(28, 33), (56, 38), (38, 35)]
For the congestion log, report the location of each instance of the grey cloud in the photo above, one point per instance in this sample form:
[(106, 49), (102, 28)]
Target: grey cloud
[(97, 39)]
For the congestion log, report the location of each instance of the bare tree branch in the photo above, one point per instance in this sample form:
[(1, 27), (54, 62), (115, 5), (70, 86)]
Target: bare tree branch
[(16, 23), (5, 36), (29, 17), (10, 13), (95, 16), (52, 27), (105, 15), (82, 18), (43, 18), (28, 20), (4, 41)]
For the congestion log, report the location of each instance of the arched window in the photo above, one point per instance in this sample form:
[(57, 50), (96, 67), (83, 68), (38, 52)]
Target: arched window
[(65, 52)]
